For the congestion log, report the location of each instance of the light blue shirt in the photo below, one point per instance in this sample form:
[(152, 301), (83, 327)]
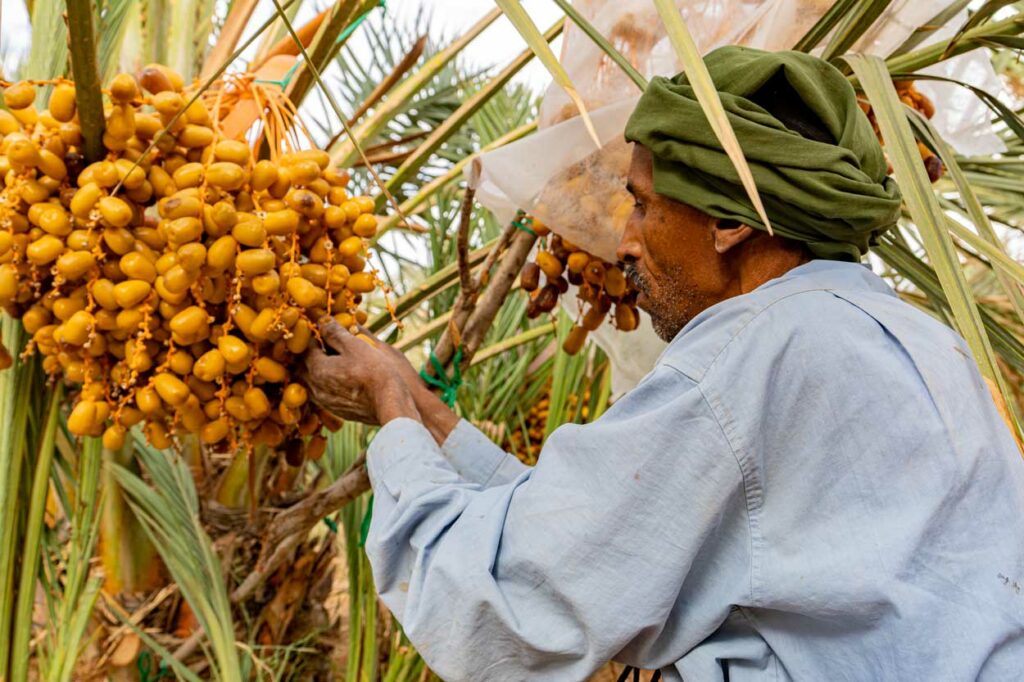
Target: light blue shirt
[(813, 483)]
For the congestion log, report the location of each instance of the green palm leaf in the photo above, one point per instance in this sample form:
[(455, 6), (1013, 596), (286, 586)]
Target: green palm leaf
[(925, 210), (169, 512)]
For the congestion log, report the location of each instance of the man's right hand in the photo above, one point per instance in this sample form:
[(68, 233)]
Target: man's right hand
[(437, 417)]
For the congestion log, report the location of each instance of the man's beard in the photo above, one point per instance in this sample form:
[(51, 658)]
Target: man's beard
[(678, 302)]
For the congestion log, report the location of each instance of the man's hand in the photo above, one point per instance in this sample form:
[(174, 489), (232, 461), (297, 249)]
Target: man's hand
[(360, 381), (437, 417), (334, 391)]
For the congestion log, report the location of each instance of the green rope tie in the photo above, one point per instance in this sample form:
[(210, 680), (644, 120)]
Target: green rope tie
[(332, 524), (521, 222), (287, 77), (449, 386), (145, 665)]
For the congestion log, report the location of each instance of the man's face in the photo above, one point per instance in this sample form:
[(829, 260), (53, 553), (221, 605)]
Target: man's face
[(669, 253)]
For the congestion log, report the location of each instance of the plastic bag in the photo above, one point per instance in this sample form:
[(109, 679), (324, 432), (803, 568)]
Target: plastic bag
[(963, 120), (566, 175), (781, 23), (630, 354), (583, 195), (635, 30)]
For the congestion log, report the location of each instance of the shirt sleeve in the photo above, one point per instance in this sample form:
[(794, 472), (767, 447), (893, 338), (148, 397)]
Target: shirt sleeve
[(569, 563), (477, 459)]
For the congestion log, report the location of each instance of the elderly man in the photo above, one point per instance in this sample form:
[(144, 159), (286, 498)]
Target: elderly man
[(812, 483)]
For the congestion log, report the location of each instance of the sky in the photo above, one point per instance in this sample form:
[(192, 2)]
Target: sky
[(499, 44), (13, 30)]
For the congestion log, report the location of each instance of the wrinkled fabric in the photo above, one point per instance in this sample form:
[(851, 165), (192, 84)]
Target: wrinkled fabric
[(836, 198), (812, 484)]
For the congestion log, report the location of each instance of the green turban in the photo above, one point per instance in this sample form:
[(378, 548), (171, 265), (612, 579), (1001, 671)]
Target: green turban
[(836, 198)]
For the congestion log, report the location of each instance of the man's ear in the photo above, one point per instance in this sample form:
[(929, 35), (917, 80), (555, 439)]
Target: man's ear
[(729, 233)]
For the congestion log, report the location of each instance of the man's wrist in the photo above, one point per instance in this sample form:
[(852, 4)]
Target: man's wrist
[(395, 401), (438, 418)]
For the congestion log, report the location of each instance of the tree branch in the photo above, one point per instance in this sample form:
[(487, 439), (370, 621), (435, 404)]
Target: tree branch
[(495, 294), (291, 525), (469, 287), (465, 306)]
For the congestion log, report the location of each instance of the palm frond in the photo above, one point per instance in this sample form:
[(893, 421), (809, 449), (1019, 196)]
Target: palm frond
[(29, 568), (924, 207), (169, 511), (48, 57), (113, 24)]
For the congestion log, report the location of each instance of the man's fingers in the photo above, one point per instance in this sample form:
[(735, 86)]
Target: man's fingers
[(308, 373), (314, 360), (333, 334), (371, 338)]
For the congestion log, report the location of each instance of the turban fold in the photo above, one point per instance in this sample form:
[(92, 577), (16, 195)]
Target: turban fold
[(836, 198)]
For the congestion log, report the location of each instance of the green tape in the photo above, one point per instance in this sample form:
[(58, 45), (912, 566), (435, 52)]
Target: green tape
[(145, 665), (364, 527), (287, 78), (522, 222)]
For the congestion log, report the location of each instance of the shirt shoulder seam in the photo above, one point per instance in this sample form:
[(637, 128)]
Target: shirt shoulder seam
[(750, 487), (753, 494)]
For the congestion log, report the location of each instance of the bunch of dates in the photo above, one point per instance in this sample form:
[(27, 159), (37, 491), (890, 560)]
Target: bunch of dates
[(601, 287), (177, 280)]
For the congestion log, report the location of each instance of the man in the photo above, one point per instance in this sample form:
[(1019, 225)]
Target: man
[(813, 483)]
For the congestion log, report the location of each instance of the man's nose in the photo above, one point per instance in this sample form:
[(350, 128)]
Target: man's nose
[(629, 246)]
